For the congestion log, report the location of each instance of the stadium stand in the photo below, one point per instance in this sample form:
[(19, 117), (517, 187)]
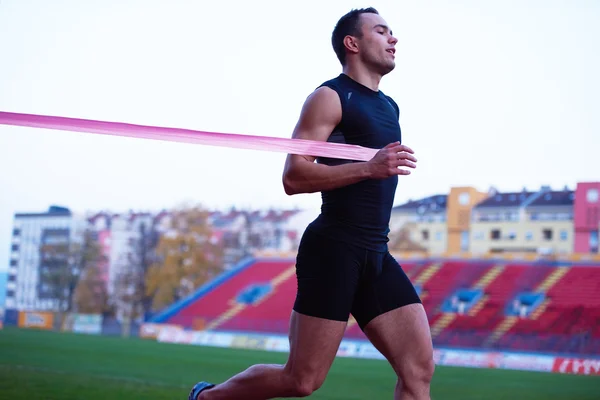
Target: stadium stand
[(490, 304), (225, 298), (568, 318)]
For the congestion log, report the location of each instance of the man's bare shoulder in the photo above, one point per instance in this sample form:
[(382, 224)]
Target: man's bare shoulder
[(321, 112), (322, 98), (324, 94)]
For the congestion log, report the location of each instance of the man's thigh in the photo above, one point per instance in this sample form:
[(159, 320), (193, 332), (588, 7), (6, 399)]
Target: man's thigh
[(327, 273), (384, 287), (389, 310), (403, 337), (314, 343)]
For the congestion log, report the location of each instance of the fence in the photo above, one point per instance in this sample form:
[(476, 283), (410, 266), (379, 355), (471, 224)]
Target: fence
[(95, 324)]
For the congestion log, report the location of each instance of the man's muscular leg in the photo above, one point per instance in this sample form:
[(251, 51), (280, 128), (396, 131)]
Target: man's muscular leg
[(313, 345), (392, 316), (402, 336)]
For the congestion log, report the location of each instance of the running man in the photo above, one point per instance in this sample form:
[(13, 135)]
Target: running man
[(343, 264)]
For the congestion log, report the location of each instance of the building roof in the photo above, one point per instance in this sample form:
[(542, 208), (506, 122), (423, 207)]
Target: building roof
[(436, 203), (99, 215), (53, 211), (510, 199), (221, 219), (554, 198)]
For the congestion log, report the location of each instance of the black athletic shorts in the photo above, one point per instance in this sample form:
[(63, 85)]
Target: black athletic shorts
[(336, 279)]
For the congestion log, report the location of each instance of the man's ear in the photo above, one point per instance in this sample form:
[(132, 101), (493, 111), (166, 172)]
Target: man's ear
[(351, 44)]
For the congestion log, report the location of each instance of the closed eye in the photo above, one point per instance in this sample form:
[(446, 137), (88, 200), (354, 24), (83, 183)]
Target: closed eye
[(383, 29)]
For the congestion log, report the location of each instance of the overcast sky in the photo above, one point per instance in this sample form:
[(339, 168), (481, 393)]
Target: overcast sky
[(502, 93)]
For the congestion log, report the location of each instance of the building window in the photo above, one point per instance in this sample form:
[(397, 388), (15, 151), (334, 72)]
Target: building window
[(592, 195), (564, 235), (14, 263), (529, 235), (479, 235), (594, 242), (512, 235), (12, 278), (564, 216), (425, 234), (547, 234), (16, 232), (439, 235), (464, 241), (533, 216), (495, 234), (464, 198), (14, 247)]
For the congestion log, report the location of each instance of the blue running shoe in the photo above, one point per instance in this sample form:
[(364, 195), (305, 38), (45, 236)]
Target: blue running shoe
[(199, 387)]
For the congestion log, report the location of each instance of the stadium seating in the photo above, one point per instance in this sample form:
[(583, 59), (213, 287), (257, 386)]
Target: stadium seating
[(270, 314), (208, 307), (258, 297), (579, 286), (450, 276), (570, 321)]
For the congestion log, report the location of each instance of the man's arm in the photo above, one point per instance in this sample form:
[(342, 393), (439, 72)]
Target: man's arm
[(320, 114)]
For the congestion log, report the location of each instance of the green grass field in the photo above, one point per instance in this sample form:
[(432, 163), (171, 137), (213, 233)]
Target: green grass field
[(52, 365)]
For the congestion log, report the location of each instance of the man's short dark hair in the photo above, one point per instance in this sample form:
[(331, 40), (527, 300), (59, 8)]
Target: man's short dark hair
[(349, 24)]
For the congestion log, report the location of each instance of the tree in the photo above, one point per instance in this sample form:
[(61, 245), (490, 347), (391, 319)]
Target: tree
[(91, 295), (128, 297), (62, 261), (185, 258), (143, 255), (129, 300), (401, 240)]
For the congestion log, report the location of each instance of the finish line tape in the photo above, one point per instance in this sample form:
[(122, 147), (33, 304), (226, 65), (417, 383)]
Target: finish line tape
[(252, 142)]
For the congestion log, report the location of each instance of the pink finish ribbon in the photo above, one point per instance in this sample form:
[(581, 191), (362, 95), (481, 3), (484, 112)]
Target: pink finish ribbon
[(290, 146)]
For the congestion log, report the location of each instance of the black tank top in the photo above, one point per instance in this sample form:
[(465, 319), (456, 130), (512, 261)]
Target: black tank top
[(360, 213)]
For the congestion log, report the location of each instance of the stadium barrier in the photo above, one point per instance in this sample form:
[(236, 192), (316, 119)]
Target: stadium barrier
[(93, 324), (464, 255), (576, 366), (36, 319), (83, 323), (363, 349), (152, 331)]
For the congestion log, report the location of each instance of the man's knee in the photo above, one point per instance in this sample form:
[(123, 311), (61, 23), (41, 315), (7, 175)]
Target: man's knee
[(305, 385), (425, 369), (417, 372)]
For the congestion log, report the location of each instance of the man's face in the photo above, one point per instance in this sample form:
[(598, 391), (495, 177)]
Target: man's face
[(377, 44)]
